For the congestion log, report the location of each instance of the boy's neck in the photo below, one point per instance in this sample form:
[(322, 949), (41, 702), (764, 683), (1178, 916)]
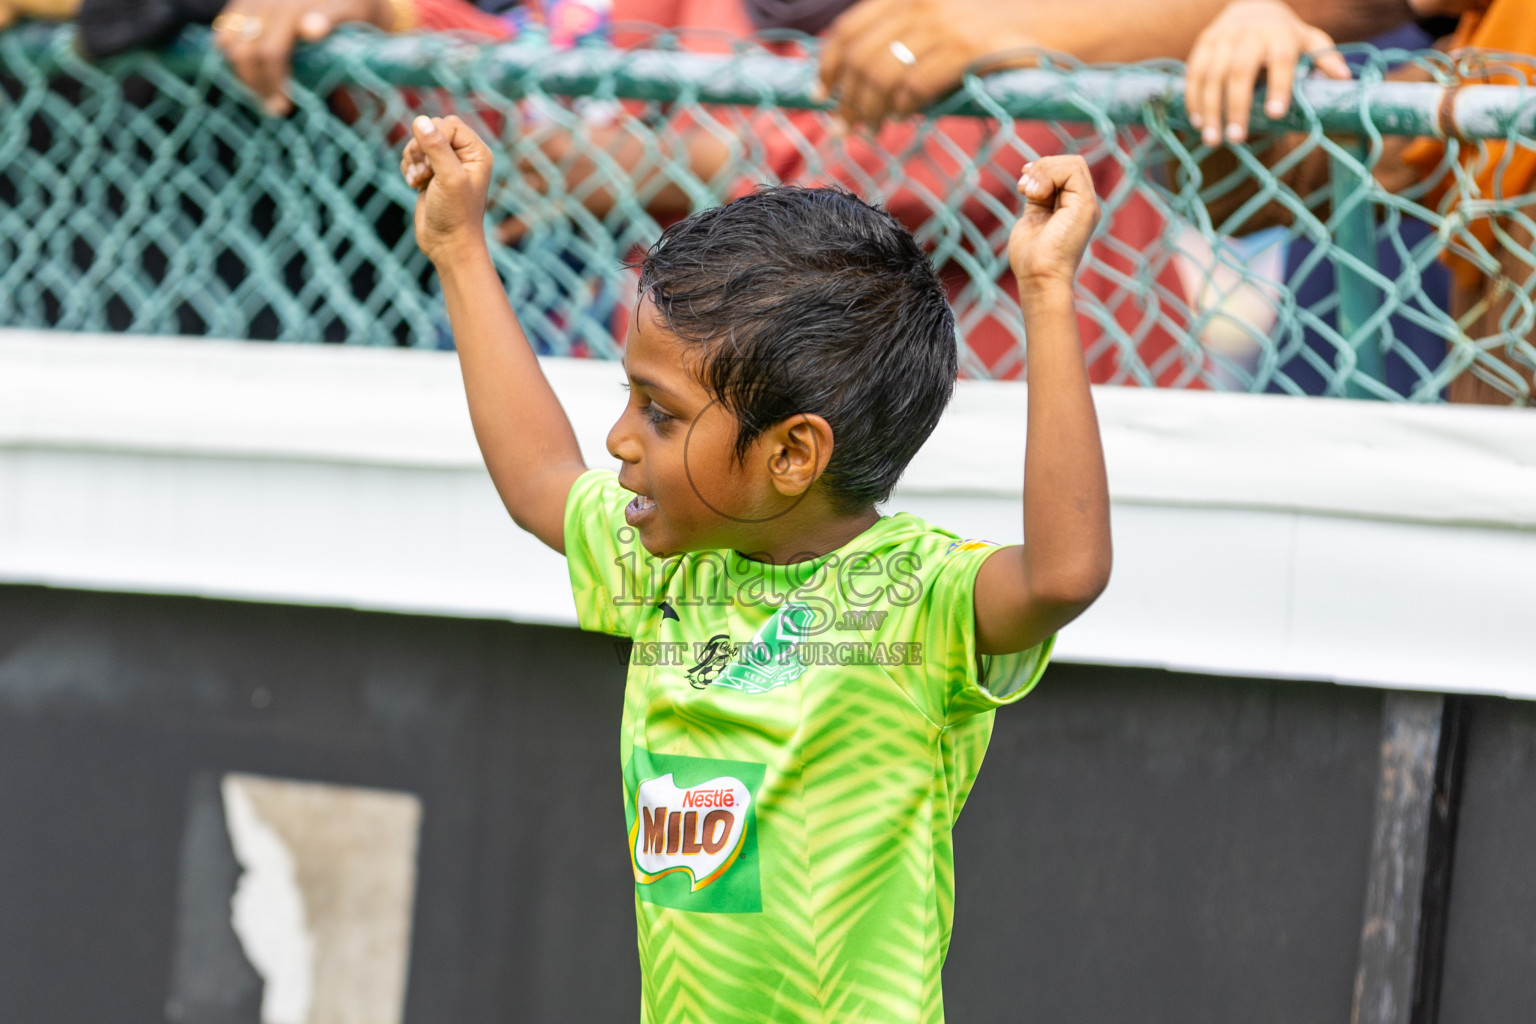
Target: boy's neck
[(802, 537)]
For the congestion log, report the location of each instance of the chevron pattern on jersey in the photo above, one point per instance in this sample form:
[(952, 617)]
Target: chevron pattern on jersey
[(857, 770)]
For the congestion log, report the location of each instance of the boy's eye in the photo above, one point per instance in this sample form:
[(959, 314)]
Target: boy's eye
[(652, 414)]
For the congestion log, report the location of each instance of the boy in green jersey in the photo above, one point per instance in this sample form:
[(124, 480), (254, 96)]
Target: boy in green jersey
[(811, 684)]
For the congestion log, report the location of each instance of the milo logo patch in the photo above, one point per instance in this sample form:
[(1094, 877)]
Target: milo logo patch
[(693, 831), (698, 831)]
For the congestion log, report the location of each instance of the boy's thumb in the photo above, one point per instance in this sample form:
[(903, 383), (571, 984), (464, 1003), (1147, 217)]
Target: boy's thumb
[(435, 145)]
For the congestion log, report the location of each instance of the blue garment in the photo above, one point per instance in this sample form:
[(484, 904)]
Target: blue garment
[(1318, 287)]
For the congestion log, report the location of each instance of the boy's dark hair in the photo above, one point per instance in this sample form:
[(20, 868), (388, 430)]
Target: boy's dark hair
[(809, 300)]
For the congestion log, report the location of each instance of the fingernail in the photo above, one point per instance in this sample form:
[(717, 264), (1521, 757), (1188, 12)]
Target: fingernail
[(277, 106), (1210, 136), (1195, 121), (424, 125), (1235, 133), (818, 93), (839, 127), (1274, 108)]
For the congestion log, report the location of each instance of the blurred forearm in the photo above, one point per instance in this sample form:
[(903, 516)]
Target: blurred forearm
[(602, 151), (1117, 30), (1352, 21), (49, 10)]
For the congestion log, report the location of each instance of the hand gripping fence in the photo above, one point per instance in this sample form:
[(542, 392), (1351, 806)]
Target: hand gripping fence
[(148, 194)]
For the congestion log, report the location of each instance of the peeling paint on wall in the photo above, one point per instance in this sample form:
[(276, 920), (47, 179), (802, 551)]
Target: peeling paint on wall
[(268, 912), (308, 887)]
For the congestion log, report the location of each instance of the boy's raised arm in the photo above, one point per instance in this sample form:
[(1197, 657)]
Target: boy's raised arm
[(1024, 594), (524, 434)]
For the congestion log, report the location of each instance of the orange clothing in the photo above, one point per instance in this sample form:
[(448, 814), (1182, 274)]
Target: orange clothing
[(1507, 26), (1484, 301)]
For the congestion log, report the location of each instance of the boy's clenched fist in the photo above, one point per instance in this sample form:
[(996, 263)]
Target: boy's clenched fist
[(450, 168), (1060, 213)]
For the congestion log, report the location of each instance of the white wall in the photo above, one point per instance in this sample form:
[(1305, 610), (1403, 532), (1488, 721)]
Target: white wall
[(1255, 535)]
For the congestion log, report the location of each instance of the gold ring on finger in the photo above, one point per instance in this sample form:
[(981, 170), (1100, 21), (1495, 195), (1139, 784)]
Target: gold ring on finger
[(243, 26)]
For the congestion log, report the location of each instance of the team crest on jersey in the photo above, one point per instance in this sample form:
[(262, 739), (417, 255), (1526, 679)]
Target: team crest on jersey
[(712, 661), (698, 831), (765, 663), (957, 546), (693, 831)]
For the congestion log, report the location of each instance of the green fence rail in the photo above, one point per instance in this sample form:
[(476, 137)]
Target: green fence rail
[(149, 194)]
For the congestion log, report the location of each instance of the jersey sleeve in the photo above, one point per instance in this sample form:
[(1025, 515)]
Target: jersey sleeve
[(609, 567), (970, 684)]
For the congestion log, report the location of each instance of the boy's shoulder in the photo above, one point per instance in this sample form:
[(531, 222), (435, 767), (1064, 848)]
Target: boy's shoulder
[(902, 564), (596, 504)]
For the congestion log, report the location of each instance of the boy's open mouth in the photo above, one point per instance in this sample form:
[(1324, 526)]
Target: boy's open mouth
[(639, 507)]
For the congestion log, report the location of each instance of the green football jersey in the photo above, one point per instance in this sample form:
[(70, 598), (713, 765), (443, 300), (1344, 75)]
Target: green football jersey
[(797, 743)]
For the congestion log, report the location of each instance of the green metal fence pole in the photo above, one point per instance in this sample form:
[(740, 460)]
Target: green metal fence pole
[(1359, 297), (752, 76)]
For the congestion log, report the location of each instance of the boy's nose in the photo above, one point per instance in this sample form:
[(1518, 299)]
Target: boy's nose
[(622, 443)]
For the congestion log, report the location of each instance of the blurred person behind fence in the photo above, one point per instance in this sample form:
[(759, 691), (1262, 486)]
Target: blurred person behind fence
[(787, 145), (932, 170), (1491, 271), (882, 58), (258, 36), (944, 39)]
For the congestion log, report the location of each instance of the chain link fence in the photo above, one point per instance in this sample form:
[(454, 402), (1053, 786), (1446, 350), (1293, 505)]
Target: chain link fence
[(1375, 243)]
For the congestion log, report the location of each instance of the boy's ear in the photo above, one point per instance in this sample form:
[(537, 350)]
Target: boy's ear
[(798, 451)]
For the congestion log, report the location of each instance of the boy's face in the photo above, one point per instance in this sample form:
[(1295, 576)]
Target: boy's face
[(677, 446)]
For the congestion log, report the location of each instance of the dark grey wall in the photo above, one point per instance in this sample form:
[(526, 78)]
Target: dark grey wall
[(116, 710), (1490, 943), (1140, 846), (1148, 846)]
